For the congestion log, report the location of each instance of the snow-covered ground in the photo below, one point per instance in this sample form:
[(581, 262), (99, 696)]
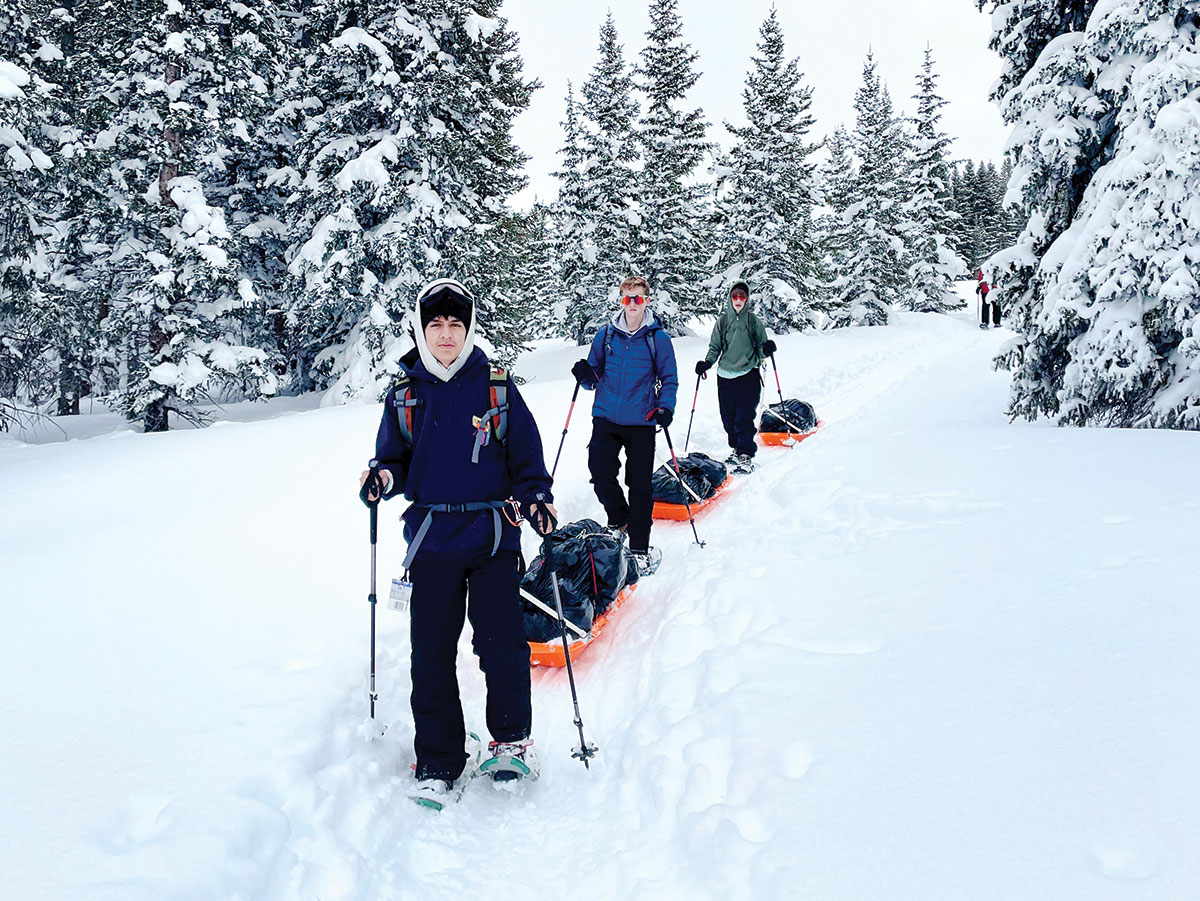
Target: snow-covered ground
[(925, 654)]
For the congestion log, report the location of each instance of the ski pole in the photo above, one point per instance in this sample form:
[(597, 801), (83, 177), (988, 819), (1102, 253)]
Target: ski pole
[(693, 416), (373, 482), (679, 474), (563, 440), (777, 386), (585, 751)]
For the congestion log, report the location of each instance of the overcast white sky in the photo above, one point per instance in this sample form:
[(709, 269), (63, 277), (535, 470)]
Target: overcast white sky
[(559, 40)]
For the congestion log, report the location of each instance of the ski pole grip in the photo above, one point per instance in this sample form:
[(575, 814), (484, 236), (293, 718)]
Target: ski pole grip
[(373, 482), (374, 522)]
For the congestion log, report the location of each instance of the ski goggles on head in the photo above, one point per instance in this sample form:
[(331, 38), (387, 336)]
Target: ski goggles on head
[(637, 299), (447, 293)]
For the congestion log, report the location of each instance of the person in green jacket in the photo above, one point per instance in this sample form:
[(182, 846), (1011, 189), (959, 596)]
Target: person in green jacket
[(740, 343)]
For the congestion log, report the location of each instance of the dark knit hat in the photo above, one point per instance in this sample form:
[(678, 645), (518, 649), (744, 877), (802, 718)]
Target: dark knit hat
[(741, 285)]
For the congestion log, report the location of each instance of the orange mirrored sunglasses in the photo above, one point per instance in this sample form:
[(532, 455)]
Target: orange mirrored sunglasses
[(633, 298)]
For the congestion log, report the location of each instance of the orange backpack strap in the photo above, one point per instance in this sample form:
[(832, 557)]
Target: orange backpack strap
[(495, 420), (498, 395), (405, 401)]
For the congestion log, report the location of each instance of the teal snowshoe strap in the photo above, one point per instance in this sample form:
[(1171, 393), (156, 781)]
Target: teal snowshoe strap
[(473, 507)]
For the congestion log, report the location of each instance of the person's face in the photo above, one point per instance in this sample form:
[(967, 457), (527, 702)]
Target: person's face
[(446, 336), (738, 299), (635, 312)]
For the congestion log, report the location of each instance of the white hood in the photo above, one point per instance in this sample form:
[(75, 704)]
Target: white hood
[(445, 373)]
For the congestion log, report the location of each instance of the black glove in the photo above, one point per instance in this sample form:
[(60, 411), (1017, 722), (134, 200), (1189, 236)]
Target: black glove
[(663, 416), (539, 516), (584, 372), (769, 347), (702, 367), (372, 489)]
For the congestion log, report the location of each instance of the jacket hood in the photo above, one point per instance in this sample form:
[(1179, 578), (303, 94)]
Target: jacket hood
[(648, 323), (729, 298), (431, 363)]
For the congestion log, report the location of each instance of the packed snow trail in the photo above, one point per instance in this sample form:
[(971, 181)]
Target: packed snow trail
[(925, 653)]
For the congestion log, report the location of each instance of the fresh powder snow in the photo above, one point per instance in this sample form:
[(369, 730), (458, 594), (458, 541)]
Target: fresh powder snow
[(924, 654)]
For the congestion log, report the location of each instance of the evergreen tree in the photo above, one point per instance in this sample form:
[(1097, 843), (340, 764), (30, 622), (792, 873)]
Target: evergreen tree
[(935, 265), (673, 145), (169, 264), (535, 274), (1062, 127), (769, 231), (876, 269), (1100, 282), (609, 187), (406, 175), (836, 225), (572, 230), (24, 216)]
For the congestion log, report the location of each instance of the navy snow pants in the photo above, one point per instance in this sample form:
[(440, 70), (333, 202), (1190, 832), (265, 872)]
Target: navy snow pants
[(485, 590), (738, 399)]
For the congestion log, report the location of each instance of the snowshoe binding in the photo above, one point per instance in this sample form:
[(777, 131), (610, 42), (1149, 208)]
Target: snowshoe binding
[(647, 561), (745, 464), (437, 794), (511, 761)]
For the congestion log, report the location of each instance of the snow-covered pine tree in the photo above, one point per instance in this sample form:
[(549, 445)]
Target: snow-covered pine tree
[(406, 173), (673, 145), (835, 227), (24, 215), (481, 94), (247, 173), (926, 208), (769, 235), (535, 274), (876, 269), (609, 186), (169, 270), (73, 300), (1102, 281), (572, 231)]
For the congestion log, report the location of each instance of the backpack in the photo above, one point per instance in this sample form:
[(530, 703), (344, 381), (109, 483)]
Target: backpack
[(496, 416)]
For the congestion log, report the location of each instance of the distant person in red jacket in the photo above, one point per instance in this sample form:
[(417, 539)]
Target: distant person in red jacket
[(986, 308)]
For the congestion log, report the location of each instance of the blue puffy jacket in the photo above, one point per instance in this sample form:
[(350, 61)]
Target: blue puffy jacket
[(628, 366), (437, 468)]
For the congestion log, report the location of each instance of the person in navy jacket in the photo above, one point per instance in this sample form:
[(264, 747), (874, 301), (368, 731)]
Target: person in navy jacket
[(440, 445), (631, 367)]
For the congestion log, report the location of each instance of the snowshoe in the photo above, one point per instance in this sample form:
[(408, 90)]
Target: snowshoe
[(731, 461), (509, 761), (436, 794), (983, 325), (647, 561), (745, 464)]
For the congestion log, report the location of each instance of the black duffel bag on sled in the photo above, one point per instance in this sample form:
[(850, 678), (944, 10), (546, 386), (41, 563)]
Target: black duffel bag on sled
[(592, 566), (702, 473), (794, 416)]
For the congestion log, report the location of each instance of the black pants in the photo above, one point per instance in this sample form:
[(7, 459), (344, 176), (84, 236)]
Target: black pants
[(486, 590), (739, 402), (604, 464), (984, 307)]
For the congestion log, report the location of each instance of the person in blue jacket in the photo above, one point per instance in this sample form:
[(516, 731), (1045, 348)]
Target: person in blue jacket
[(631, 367), (457, 440)]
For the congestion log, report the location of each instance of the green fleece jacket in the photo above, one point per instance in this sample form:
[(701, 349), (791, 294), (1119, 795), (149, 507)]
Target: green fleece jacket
[(737, 339)]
